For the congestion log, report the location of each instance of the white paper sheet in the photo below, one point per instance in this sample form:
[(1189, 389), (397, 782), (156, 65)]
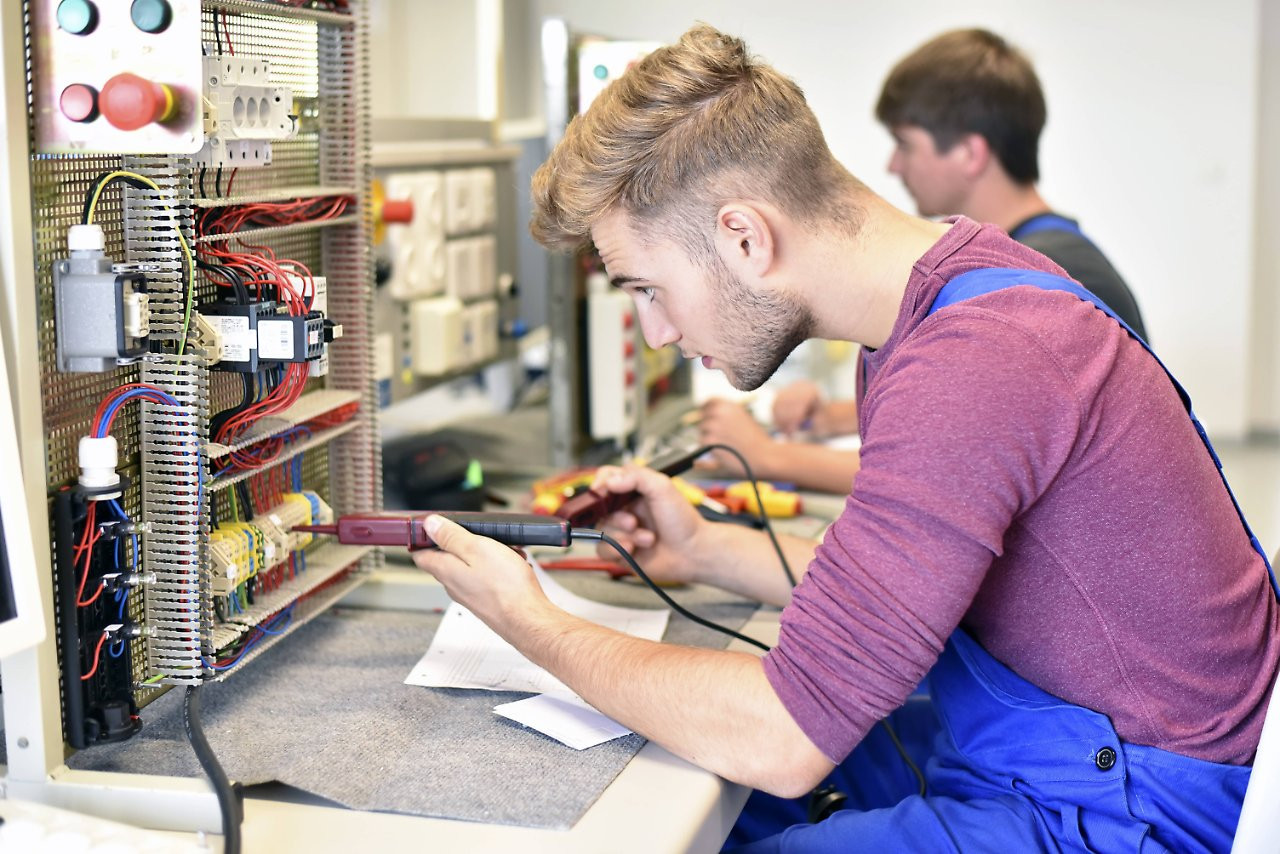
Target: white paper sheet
[(465, 653), (569, 721)]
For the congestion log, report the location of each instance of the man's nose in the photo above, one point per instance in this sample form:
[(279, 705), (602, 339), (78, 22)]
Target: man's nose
[(657, 328), (895, 162)]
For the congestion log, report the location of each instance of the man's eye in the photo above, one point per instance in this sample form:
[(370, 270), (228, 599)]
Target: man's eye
[(649, 292)]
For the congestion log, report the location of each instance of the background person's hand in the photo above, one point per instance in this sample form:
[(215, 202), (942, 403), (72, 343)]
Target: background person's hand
[(728, 423), (795, 406)]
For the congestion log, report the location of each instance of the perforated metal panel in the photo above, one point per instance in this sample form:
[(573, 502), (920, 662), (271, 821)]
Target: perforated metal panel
[(322, 56)]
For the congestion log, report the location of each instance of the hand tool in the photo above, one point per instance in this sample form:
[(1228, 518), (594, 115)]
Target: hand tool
[(409, 529)]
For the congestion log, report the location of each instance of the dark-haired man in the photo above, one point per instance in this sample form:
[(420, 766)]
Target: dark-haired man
[(966, 110)]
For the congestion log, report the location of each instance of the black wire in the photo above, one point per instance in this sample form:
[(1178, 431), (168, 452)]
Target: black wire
[(764, 517), (242, 487), (232, 277), (246, 400), (902, 751), (228, 804), (217, 181), (203, 169), (587, 534), (217, 35)]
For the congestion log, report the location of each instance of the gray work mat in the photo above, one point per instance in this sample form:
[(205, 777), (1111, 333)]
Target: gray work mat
[(325, 710)]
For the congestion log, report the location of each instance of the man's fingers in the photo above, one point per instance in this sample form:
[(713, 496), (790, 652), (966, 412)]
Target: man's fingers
[(450, 536)]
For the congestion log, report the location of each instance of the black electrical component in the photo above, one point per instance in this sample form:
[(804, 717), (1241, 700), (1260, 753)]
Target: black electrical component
[(290, 338), (239, 324), (97, 686)]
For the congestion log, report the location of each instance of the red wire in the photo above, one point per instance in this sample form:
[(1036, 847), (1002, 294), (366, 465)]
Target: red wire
[(226, 29), (97, 652), (85, 550)]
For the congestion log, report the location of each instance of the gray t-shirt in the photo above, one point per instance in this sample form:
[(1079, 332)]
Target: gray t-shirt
[(1085, 263)]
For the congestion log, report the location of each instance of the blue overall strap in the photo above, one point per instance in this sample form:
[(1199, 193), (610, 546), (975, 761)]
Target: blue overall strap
[(978, 282), (1046, 222)]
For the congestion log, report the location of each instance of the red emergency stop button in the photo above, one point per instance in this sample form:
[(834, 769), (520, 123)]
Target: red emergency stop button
[(79, 102), (397, 210), (130, 102)]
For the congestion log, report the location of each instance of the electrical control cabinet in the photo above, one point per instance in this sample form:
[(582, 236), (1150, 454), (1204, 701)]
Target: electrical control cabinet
[(447, 305), (189, 241)]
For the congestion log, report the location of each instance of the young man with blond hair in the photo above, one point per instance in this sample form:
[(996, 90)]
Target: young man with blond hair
[(1037, 527), (966, 111)]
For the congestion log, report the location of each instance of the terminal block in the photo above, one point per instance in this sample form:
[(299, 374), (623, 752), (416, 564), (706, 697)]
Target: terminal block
[(102, 314), (240, 550), (243, 112)]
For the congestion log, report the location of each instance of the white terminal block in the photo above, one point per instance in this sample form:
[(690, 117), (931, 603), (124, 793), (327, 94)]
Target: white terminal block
[(436, 336), (461, 268), (98, 460), (459, 202), (316, 287), (243, 112), (480, 331), (470, 200), (472, 267), (485, 248), (417, 249), (613, 365)]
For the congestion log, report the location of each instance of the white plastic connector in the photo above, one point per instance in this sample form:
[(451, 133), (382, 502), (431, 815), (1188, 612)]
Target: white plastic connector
[(85, 238), (137, 314), (98, 461)]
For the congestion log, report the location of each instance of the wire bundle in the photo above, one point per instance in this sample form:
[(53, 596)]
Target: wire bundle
[(264, 453), (105, 414), (92, 532), (233, 218)]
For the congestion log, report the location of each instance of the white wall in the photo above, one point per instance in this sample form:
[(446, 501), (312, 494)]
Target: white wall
[(435, 58), (1265, 388), (1152, 136)]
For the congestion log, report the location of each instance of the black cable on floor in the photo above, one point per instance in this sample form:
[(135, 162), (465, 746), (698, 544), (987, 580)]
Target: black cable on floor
[(227, 801)]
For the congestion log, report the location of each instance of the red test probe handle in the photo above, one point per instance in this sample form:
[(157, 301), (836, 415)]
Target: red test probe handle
[(586, 509), (409, 529)]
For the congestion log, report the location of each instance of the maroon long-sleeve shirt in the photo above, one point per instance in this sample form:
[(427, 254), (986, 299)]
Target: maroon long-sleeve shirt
[(1029, 472)]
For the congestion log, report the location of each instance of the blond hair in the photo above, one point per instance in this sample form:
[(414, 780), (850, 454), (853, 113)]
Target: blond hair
[(688, 127)]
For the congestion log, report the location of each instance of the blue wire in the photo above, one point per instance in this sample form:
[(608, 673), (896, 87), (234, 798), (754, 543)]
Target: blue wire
[(125, 398), (279, 624), (122, 593)]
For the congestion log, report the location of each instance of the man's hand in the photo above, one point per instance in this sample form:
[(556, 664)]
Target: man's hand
[(661, 529), (800, 408), (489, 579), (795, 406), (727, 423)]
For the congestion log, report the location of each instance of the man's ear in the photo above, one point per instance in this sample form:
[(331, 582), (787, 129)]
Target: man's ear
[(745, 238), (974, 154)]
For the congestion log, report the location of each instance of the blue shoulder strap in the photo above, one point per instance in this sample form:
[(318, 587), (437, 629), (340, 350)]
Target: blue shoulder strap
[(1046, 222), (978, 282)]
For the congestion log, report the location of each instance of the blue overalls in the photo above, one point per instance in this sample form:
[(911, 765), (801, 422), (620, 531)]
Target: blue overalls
[(1046, 222), (1009, 767)]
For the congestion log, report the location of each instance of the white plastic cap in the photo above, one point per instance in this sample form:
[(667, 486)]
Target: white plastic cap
[(85, 238), (98, 461)]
